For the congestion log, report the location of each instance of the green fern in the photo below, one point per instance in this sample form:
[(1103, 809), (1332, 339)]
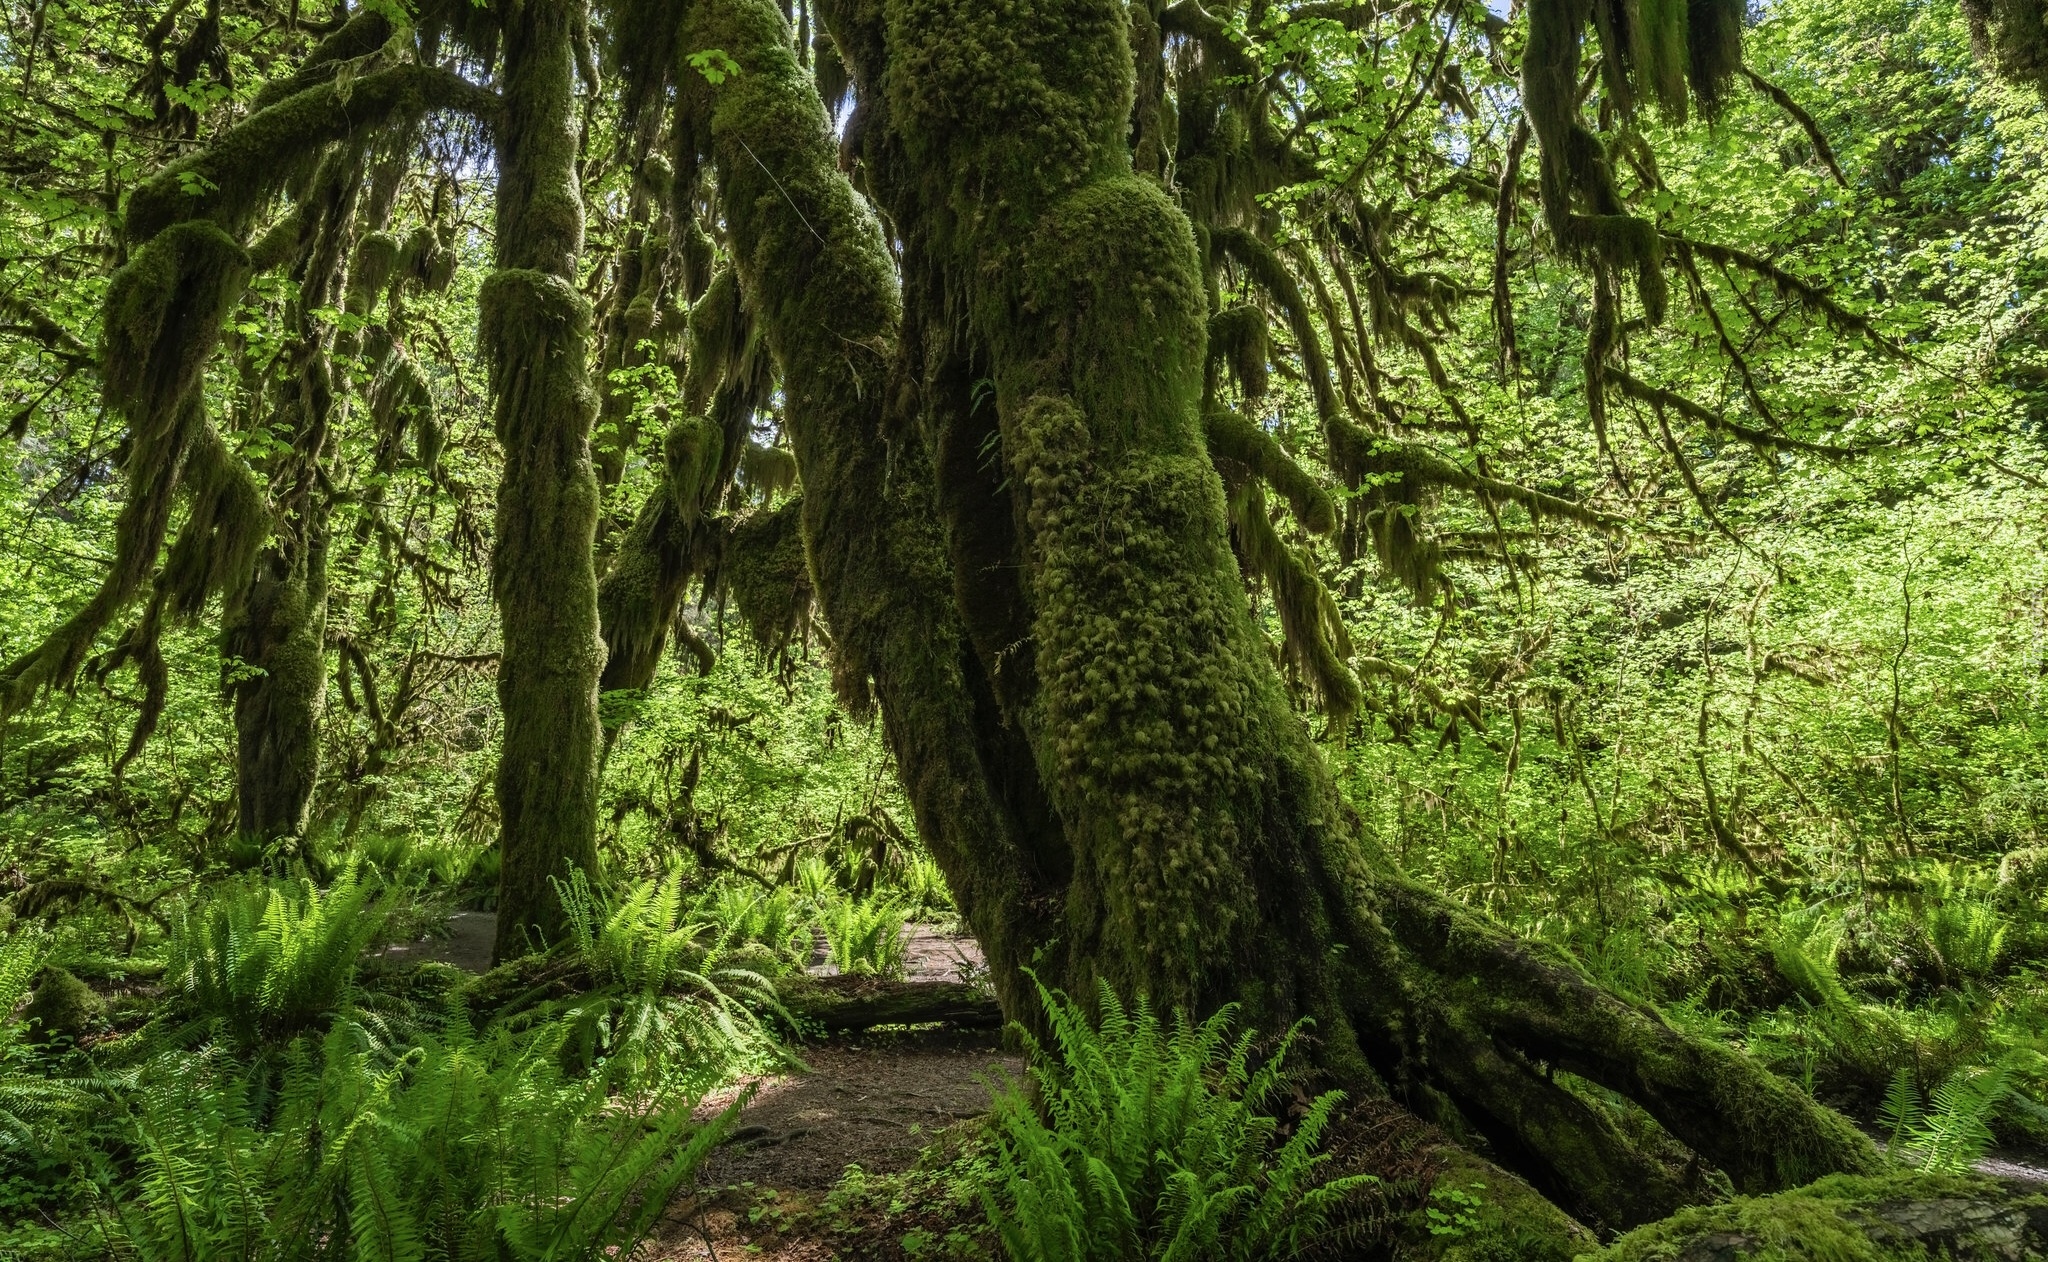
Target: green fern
[(865, 935), (1804, 948), (738, 914), (28, 1095), (21, 954), (1151, 1145), (1952, 1132), (260, 963), (668, 999), (1967, 935), (467, 1146), (1900, 1114)]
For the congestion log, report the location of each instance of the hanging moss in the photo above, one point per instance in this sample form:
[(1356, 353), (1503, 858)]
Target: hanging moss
[(376, 262), (430, 439), (768, 471), (830, 74), (1266, 268), (694, 450), (162, 318), (1232, 437), (278, 625), (671, 542), (641, 38), (1714, 49), (1314, 639), (160, 323), (1574, 165), (765, 570), (364, 33), (426, 259), (229, 180), (718, 340), (399, 398), (277, 244), (2013, 36), (227, 521), (1238, 339), (642, 593), (1659, 54)]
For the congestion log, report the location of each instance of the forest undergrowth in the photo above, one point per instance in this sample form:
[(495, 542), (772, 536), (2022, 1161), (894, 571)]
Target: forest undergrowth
[(1707, 647)]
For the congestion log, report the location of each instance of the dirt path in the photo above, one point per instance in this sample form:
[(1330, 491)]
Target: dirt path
[(873, 1103), (467, 946)]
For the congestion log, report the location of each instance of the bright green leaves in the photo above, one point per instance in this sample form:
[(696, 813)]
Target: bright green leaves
[(714, 64)]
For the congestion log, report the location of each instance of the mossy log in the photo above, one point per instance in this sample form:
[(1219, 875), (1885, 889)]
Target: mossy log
[(851, 1002), (1902, 1217)]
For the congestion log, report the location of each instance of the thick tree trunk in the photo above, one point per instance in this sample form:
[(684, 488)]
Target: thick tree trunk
[(535, 332), (275, 628), (1101, 754), (279, 628)]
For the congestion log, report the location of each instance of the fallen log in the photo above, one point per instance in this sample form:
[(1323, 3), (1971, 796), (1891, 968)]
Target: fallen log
[(852, 1002), (1848, 1218)]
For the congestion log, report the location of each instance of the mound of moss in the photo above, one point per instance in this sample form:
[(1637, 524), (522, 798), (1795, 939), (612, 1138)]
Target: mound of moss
[(1905, 1217)]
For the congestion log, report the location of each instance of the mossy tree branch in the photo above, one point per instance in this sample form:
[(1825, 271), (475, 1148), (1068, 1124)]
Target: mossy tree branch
[(229, 180)]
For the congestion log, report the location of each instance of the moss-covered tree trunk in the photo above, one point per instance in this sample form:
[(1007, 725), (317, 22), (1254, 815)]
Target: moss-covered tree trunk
[(274, 629), (535, 332), (1040, 597), (278, 632)]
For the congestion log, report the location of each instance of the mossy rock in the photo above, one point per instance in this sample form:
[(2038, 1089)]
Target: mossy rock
[(1847, 1218), (61, 1005)]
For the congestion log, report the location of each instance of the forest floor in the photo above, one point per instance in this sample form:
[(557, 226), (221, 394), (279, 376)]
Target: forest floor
[(874, 1101)]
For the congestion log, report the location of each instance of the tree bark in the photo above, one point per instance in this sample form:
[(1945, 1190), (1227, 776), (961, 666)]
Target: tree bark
[(535, 331)]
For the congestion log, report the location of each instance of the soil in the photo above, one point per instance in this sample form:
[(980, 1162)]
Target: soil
[(874, 1103), (467, 945)]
